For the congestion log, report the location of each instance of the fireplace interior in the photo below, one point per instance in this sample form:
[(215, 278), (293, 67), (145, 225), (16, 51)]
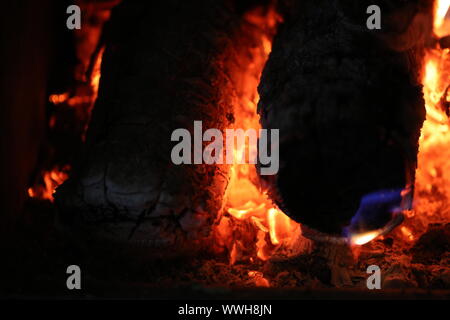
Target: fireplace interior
[(364, 149)]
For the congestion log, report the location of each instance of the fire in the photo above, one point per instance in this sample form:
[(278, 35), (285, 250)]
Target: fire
[(252, 225), (96, 73), (439, 19), (79, 99), (407, 233), (51, 179), (432, 189), (247, 203), (359, 240)]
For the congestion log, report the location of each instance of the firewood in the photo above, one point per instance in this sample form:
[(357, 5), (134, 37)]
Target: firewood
[(165, 65), (348, 103)]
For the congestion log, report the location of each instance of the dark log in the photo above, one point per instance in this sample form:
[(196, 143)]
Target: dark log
[(166, 64), (348, 103)]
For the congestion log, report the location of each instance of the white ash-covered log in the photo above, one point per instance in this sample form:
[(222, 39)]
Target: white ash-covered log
[(166, 65)]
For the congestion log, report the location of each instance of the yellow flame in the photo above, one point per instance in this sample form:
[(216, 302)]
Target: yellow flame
[(441, 10), (363, 238)]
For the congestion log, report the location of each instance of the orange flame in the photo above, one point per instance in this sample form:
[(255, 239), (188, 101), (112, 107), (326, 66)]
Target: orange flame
[(247, 203), (432, 188), (439, 16), (51, 180)]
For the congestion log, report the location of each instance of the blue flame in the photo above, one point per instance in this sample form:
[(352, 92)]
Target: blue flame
[(375, 211)]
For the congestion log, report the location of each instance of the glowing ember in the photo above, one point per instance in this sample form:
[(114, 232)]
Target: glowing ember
[(407, 233), (259, 279), (96, 73), (364, 238), (58, 98)]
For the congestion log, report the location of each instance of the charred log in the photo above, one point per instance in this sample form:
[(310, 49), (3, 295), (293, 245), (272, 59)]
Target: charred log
[(348, 103), (165, 65)]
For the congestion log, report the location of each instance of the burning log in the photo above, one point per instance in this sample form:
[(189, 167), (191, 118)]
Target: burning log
[(164, 66), (349, 105)]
